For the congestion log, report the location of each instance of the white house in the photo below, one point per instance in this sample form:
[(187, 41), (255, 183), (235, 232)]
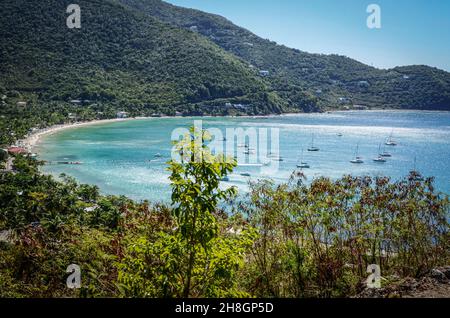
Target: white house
[(122, 114), (363, 84), (264, 73)]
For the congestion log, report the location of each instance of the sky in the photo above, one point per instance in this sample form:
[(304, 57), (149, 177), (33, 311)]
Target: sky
[(412, 31)]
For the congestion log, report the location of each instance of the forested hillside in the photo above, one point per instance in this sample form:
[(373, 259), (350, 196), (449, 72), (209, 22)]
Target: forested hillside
[(335, 80), (121, 57)]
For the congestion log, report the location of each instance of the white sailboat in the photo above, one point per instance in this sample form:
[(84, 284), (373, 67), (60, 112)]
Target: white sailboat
[(248, 150), (303, 164), (390, 141), (358, 159), (415, 173), (312, 147), (380, 158), (275, 156), (385, 154)]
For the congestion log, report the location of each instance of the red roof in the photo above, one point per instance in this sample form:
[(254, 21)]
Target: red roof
[(17, 150)]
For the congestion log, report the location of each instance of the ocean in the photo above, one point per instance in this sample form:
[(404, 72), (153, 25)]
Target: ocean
[(129, 157)]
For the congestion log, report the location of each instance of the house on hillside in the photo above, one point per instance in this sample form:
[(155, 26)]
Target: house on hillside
[(75, 101), (240, 106), (264, 73), (363, 84), (21, 104), (122, 115)]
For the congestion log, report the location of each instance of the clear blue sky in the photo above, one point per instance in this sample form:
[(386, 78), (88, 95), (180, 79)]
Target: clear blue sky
[(412, 31)]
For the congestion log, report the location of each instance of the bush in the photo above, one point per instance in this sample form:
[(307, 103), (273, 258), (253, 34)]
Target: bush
[(318, 240)]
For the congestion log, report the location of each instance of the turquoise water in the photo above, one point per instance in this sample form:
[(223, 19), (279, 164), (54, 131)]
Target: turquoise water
[(120, 158)]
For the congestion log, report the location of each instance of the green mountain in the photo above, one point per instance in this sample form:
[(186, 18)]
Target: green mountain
[(124, 58), (334, 79), (149, 57)]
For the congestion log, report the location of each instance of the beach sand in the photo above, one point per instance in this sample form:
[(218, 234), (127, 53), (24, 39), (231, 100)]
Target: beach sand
[(34, 138)]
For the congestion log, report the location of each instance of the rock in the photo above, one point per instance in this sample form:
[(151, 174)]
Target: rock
[(438, 275), (445, 270)]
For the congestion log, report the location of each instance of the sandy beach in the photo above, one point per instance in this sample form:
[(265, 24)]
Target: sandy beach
[(34, 138)]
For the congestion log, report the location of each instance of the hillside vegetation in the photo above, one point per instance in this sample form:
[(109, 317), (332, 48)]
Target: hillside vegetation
[(330, 77), (120, 57)]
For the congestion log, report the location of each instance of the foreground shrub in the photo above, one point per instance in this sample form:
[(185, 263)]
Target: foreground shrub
[(318, 240)]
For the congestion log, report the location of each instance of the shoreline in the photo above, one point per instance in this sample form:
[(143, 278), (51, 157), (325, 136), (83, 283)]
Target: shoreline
[(33, 140)]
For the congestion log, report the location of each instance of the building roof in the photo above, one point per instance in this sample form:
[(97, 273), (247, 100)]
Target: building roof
[(17, 150)]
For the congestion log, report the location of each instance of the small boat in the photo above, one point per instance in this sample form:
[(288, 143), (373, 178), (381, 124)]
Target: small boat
[(225, 179), (158, 155), (275, 157), (70, 162), (358, 159), (249, 152), (339, 135), (303, 164), (312, 147), (379, 159), (246, 174), (416, 174), (390, 141)]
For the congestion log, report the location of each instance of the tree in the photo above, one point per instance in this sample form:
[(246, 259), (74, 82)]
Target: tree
[(3, 155), (196, 193)]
